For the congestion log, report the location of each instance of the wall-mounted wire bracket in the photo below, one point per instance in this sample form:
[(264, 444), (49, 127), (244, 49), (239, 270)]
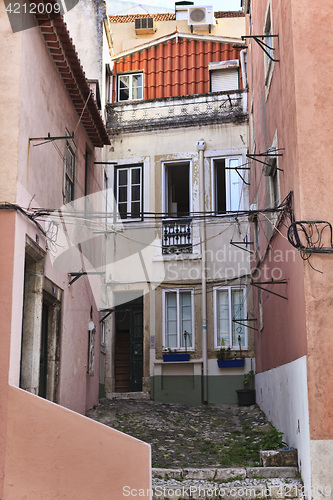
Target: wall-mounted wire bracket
[(239, 322), (309, 236), (109, 312), (240, 167), (105, 163), (82, 273), (49, 138), (258, 284), (269, 154), (266, 48), (238, 243)]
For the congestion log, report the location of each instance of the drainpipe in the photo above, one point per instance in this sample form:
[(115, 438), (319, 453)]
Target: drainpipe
[(201, 147), (244, 75)]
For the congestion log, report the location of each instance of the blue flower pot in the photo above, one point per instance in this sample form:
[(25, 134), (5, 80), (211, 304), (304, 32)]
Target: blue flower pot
[(176, 356), (229, 363)]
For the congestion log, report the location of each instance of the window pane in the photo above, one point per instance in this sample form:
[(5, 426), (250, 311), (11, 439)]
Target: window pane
[(135, 193), (136, 177), (237, 304), (223, 336), (135, 210), (122, 207), (171, 320), (186, 318), (220, 192), (122, 177), (123, 87), (235, 187), (137, 86), (122, 194)]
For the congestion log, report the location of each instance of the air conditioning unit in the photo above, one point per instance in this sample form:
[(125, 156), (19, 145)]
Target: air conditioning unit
[(144, 25), (201, 17)]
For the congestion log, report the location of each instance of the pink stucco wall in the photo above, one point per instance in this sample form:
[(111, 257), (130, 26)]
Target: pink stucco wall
[(7, 227), (55, 453), (283, 338), (298, 107)]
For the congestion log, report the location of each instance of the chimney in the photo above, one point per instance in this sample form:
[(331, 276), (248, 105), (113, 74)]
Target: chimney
[(181, 8)]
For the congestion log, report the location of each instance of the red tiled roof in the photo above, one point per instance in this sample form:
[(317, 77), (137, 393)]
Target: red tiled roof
[(130, 18), (62, 51), (177, 67)]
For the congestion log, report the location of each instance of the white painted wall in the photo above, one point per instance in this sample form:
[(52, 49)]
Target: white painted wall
[(282, 394)]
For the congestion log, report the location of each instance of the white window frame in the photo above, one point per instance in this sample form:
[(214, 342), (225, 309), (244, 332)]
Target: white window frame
[(178, 291), (222, 67), (69, 172), (229, 289), (228, 179), (129, 169), (130, 75), (165, 184)]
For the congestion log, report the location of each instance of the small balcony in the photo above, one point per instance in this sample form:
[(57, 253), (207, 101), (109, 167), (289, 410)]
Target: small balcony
[(175, 112), (177, 236)]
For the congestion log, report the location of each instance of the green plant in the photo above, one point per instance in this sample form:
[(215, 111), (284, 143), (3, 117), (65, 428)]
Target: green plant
[(223, 353), (248, 380), (272, 440)]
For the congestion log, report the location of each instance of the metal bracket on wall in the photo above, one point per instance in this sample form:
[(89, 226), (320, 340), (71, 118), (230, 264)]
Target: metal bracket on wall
[(281, 282), (49, 138), (240, 167), (259, 39), (109, 311), (82, 273), (239, 322), (238, 243), (267, 154)]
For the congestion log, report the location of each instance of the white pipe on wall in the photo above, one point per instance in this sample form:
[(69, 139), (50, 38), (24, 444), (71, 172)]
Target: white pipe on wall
[(200, 148)]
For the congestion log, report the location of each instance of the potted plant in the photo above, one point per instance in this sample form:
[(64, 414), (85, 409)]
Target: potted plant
[(172, 356), (247, 396), (225, 359)]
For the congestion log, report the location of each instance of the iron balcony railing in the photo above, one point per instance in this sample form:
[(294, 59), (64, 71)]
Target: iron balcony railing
[(177, 236)]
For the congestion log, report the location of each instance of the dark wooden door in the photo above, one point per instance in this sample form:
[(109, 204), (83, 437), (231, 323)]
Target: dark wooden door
[(136, 359), (129, 347)]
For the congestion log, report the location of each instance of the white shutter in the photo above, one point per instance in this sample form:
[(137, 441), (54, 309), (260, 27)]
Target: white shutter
[(224, 79)]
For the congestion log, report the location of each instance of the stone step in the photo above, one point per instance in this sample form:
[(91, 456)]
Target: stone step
[(226, 474), (243, 483)]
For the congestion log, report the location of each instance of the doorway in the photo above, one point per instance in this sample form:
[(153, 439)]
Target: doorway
[(129, 346)]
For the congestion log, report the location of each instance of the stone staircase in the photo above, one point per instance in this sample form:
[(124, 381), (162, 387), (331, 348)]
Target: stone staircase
[(243, 483)]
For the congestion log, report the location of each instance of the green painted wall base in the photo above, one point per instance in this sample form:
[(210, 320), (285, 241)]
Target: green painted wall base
[(188, 389), (101, 391)]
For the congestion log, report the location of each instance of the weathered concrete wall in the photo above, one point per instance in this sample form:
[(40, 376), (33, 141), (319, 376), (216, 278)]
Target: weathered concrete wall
[(282, 394), (125, 38), (10, 82)]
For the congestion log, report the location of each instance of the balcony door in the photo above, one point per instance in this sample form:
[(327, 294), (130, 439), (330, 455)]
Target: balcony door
[(177, 189)]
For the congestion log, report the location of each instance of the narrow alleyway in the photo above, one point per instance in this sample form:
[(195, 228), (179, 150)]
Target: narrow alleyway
[(189, 436), (202, 452)]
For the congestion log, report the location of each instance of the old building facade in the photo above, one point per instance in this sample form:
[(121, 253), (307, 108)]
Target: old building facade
[(177, 284)]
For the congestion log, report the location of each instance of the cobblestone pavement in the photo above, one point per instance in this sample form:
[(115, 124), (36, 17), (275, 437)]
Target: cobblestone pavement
[(189, 436)]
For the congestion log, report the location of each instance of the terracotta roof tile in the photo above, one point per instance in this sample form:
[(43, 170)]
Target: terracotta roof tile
[(130, 18)]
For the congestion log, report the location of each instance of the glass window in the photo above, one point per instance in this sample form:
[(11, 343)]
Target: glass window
[(129, 192), (69, 174), (227, 185), (230, 317), (130, 87), (178, 324)]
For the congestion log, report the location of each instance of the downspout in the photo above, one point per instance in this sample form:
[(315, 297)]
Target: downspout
[(242, 55), (201, 147)]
